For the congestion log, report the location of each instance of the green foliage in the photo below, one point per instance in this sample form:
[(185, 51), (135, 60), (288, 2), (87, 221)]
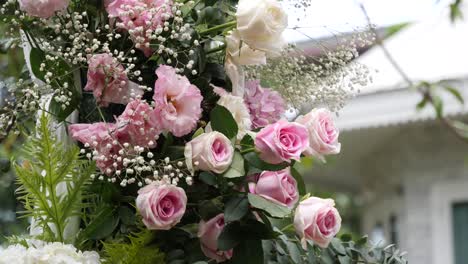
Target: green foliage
[(137, 251), (51, 180), (223, 121), (273, 209)]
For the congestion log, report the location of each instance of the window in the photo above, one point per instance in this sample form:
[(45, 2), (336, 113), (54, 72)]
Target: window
[(460, 232)]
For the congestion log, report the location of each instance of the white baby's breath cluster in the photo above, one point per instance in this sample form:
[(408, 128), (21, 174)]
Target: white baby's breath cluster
[(39, 252), (328, 79), (138, 165)]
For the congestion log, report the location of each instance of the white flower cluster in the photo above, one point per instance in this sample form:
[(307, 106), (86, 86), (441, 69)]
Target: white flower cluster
[(328, 79), (39, 252)]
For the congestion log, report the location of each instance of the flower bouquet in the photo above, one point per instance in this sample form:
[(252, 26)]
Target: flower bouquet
[(181, 153)]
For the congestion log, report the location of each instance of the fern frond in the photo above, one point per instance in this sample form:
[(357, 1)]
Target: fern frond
[(51, 180)]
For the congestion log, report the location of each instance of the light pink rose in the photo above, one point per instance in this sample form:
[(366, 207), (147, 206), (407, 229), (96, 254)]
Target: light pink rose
[(265, 105), (208, 232), (101, 138), (177, 102), (43, 8), (212, 151), (277, 186), (109, 82), (317, 220), (161, 206), (282, 141), (141, 18), (139, 122), (323, 134)]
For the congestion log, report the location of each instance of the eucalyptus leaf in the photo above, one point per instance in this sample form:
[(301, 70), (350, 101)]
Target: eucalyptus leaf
[(254, 160), (237, 167), (236, 208)]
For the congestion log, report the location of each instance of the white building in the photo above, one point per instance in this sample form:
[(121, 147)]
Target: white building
[(411, 172)]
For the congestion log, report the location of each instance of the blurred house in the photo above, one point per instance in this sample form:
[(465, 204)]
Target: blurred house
[(409, 170)]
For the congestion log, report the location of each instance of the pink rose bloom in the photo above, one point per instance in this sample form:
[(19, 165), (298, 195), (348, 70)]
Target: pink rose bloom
[(317, 220), (265, 105), (282, 141), (177, 102), (162, 206), (211, 151), (140, 18), (109, 82), (99, 137), (277, 186), (139, 123), (323, 134), (43, 8), (208, 232)]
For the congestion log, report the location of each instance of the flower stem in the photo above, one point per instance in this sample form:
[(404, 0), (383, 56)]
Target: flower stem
[(219, 48), (218, 27)]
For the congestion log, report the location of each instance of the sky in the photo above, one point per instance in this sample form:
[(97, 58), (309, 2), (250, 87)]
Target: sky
[(326, 17)]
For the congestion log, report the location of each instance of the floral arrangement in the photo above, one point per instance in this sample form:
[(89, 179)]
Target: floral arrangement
[(186, 155)]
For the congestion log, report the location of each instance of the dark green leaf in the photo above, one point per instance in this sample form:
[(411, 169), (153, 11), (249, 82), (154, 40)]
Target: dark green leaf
[(362, 241), (103, 224), (208, 178), (210, 208), (254, 160), (127, 215), (248, 252), (230, 237), (275, 210), (338, 247), (223, 121), (300, 181), (346, 237), (236, 208)]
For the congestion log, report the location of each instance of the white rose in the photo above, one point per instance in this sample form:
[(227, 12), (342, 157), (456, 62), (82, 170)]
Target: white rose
[(261, 23), (241, 53), (238, 109), (210, 152)]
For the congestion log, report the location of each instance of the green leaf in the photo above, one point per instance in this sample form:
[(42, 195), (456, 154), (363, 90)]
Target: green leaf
[(300, 181), (362, 241), (208, 178), (455, 93), (254, 160), (210, 208), (346, 237), (199, 132), (275, 210), (103, 224), (230, 237), (127, 215), (237, 167), (236, 208), (248, 252), (223, 121), (37, 57), (338, 247), (438, 106)]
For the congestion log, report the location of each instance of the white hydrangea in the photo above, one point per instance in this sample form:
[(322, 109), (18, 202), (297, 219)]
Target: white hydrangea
[(40, 252)]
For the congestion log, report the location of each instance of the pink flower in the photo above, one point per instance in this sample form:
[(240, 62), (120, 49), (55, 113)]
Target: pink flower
[(141, 18), (277, 186), (317, 220), (178, 103), (265, 105), (208, 232), (323, 134), (101, 137), (43, 8), (138, 121), (161, 206), (109, 82), (282, 141), (210, 151)]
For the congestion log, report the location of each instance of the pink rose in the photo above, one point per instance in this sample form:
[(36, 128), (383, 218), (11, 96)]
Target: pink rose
[(101, 137), (265, 105), (317, 220), (323, 134), (139, 123), (109, 82), (282, 141), (210, 151), (43, 8), (208, 232), (277, 186), (161, 206), (141, 18), (177, 102)]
